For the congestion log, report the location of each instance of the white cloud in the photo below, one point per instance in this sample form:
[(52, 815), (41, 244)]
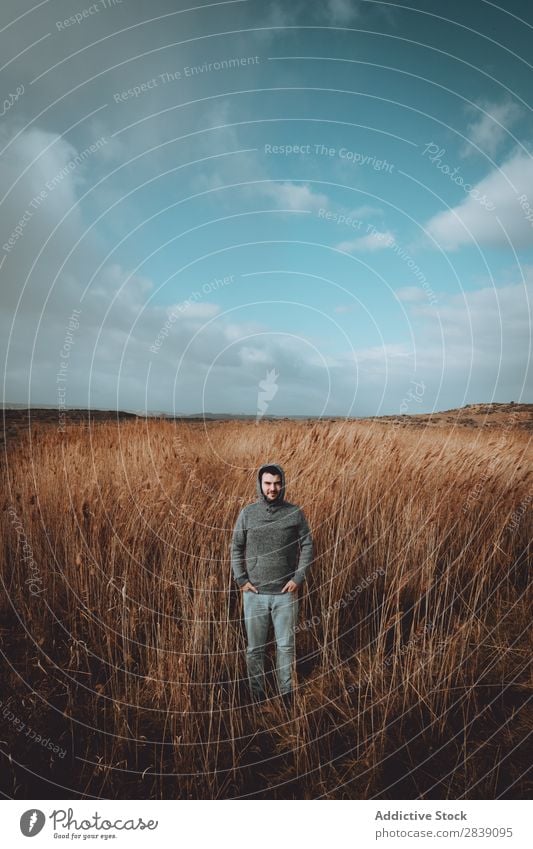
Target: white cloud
[(333, 12), (192, 309), (480, 338), (114, 277), (247, 168), (472, 222), (365, 211), (475, 347), (343, 309), (36, 158), (374, 241), (220, 354), (490, 129), (481, 317), (341, 11), (377, 358), (411, 294), (294, 196), (251, 355)]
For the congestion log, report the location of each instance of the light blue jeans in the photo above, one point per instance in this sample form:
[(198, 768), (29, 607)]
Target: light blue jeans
[(259, 610)]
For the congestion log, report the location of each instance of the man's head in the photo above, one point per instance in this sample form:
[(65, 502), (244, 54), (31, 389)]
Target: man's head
[(271, 483)]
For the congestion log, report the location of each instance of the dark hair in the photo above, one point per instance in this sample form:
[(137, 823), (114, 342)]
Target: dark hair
[(270, 470)]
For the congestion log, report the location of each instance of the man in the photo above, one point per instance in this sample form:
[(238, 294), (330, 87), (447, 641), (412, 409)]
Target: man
[(271, 554)]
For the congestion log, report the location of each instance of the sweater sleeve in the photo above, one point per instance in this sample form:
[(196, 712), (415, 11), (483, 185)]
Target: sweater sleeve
[(238, 546), (306, 551)]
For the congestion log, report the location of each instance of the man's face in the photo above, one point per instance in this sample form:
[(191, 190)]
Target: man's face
[(271, 486)]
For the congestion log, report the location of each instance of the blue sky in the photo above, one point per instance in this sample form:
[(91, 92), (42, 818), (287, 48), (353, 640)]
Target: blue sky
[(335, 198)]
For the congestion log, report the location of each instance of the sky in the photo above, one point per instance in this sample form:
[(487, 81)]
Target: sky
[(266, 208)]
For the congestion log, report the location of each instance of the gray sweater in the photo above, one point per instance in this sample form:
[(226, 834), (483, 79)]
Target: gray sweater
[(271, 542)]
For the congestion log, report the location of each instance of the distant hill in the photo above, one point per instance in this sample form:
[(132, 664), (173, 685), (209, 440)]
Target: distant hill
[(471, 415), (493, 415)]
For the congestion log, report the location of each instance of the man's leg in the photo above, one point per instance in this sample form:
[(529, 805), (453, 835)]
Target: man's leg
[(256, 620), (284, 617)]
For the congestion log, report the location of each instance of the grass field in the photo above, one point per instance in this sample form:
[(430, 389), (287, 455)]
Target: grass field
[(122, 636)]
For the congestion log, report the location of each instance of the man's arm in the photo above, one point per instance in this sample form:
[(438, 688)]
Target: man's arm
[(306, 551), (238, 546)]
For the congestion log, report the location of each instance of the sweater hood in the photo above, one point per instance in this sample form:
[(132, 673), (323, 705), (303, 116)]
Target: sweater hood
[(271, 505)]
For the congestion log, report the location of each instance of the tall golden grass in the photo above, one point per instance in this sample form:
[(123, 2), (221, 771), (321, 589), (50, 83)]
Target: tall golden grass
[(414, 642)]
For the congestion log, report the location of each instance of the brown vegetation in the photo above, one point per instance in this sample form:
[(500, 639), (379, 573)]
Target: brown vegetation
[(122, 631)]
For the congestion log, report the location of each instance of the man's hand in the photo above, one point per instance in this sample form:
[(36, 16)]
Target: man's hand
[(248, 587), (290, 587)]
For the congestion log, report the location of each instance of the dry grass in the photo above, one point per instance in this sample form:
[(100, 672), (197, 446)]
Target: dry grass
[(414, 643)]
